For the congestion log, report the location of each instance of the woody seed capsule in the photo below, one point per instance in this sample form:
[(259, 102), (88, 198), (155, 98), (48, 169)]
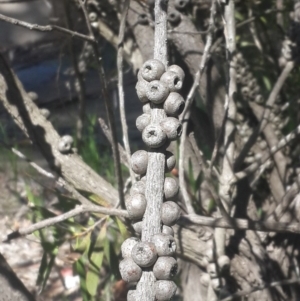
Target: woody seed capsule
[(165, 244), (138, 188), (171, 188), (170, 213), (139, 162), (172, 127), (164, 290), (153, 136), (142, 121), (173, 81), (138, 227), (178, 70), (147, 108), (170, 161), (65, 144), (167, 230), (141, 89), (223, 262), (174, 104), (152, 70), (157, 91), (144, 254), (165, 268), (136, 206), (129, 270), (181, 4), (174, 17), (128, 245)]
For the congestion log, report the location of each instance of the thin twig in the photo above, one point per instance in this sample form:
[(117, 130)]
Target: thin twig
[(239, 224), (260, 288), (47, 28), (207, 175), (184, 220), (107, 133), (186, 113), (79, 82), (108, 105), (121, 85), (225, 188), (60, 218)]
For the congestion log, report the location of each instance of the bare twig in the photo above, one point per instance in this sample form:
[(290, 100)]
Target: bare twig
[(225, 189), (121, 87), (107, 133), (60, 218), (260, 288), (186, 113), (46, 28), (79, 81), (108, 105)]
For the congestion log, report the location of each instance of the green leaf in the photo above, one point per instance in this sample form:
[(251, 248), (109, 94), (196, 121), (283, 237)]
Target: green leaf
[(45, 270), (93, 274), (121, 227), (79, 267), (83, 243)]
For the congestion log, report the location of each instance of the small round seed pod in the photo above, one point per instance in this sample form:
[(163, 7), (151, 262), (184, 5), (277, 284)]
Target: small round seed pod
[(34, 96), (128, 245), (129, 270), (174, 104), (173, 81), (167, 230), (65, 144), (178, 70), (172, 127), (153, 136), (142, 121), (136, 206), (141, 88), (212, 270), (152, 70), (143, 19), (205, 279), (139, 162), (138, 188), (223, 262), (157, 91), (93, 17), (165, 244), (170, 161), (174, 17), (147, 108), (144, 254), (132, 296), (181, 4), (138, 227), (165, 268), (217, 283), (259, 99), (45, 112), (170, 213), (164, 290), (171, 188)]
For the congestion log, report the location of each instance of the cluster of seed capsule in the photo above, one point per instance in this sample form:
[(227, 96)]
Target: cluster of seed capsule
[(156, 88)]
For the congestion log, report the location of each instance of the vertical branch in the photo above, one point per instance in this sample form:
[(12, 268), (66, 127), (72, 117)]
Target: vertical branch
[(186, 113), (225, 188), (120, 84), (79, 82), (108, 106), (156, 161)]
